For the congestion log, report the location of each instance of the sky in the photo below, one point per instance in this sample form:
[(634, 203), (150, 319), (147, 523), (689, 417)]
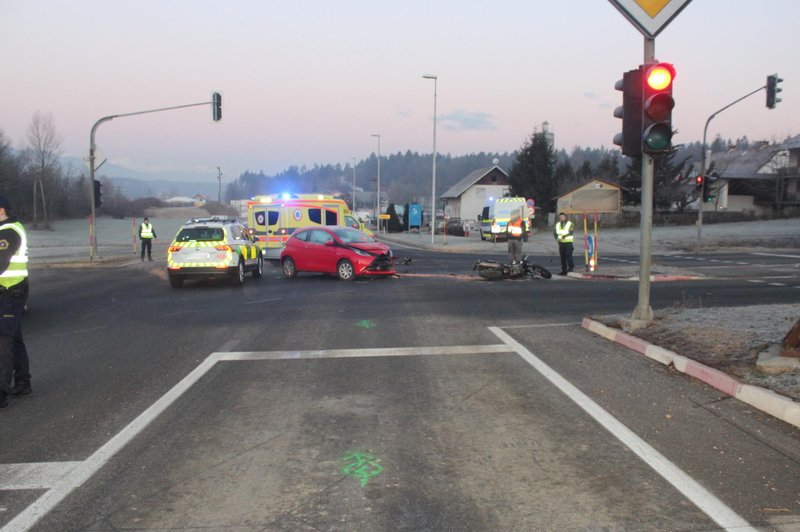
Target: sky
[(310, 81)]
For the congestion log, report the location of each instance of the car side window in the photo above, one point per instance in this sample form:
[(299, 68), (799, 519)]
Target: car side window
[(302, 236), (320, 237), (236, 232)]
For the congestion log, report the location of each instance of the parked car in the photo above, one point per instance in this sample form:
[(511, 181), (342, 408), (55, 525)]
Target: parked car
[(346, 252)]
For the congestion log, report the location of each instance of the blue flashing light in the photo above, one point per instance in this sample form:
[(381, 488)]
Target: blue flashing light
[(286, 195)]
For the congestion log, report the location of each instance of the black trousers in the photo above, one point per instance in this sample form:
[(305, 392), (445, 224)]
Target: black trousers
[(13, 354), (147, 244), (565, 250)]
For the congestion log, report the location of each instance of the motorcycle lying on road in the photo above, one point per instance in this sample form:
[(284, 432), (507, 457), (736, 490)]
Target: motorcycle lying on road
[(493, 270)]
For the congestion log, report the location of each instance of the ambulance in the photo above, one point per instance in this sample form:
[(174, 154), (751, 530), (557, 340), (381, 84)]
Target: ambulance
[(497, 213), (273, 219)]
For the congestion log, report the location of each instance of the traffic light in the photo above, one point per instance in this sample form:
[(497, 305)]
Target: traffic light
[(773, 90), (657, 108), (630, 140), (699, 182), (216, 106), (98, 194)]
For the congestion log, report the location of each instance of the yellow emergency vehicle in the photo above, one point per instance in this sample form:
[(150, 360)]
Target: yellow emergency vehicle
[(273, 219), (498, 212)]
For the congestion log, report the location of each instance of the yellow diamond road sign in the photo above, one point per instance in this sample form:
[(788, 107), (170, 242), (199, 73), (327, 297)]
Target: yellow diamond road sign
[(650, 16)]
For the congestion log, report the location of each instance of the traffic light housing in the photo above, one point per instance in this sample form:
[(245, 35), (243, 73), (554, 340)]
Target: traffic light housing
[(657, 105), (630, 140), (216, 106), (773, 90), (699, 182), (98, 194)]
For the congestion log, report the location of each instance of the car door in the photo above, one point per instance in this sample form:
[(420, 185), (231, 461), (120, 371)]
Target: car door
[(321, 252)]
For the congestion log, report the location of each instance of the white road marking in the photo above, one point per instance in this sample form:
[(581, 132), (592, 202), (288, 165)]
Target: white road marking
[(755, 281), (777, 255), (743, 263), (64, 479), (83, 471), (34, 476), (714, 508), (776, 284), (264, 300), (541, 325)]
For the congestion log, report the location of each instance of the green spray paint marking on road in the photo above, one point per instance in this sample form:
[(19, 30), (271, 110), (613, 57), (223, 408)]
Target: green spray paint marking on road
[(362, 466), (365, 324)]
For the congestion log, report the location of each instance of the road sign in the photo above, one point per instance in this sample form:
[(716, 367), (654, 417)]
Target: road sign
[(383, 217), (650, 16)]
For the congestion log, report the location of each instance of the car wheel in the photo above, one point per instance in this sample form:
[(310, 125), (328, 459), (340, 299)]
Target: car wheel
[(288, 267), (259, 269), (238, 274), (345, 270), (176, 281)]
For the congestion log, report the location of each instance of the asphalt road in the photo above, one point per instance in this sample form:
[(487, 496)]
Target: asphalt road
[(434, 401)]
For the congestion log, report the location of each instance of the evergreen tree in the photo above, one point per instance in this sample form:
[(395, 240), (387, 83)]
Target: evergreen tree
[(533, 172)]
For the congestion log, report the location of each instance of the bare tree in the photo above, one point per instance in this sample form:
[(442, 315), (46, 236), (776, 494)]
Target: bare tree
[(42, 158)]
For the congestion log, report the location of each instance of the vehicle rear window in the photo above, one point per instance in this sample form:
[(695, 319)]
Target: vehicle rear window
[(200, 234), (331, 218), (315, 215), (273, 217)]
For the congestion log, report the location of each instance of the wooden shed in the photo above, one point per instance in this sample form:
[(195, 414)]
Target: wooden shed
[(596, 195)]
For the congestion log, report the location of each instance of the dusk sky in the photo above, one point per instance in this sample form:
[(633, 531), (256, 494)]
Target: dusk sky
[(308, 82)]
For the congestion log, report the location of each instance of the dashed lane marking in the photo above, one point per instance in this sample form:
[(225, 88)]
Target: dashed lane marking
[(776, 284), (755, 281), (777, 255)]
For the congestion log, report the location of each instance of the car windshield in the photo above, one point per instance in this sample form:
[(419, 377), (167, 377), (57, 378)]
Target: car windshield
[(352, 236), (200, 234)]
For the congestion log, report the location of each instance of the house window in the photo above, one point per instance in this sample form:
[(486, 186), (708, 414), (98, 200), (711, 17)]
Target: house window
[(494, 178)]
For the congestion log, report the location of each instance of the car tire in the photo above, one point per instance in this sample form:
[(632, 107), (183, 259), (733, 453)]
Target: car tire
[(288, 267), (237, 279), (345, 270), (176, 281), (258, 271)]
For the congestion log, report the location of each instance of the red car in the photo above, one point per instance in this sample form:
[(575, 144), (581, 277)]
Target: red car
[(347, 252)]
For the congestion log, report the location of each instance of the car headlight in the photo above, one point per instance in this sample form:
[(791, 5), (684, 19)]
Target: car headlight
[(362, 252)]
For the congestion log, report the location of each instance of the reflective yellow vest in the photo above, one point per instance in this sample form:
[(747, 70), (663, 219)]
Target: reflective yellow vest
[(17, 270), (146, 231), (515, 229), (564, 232)]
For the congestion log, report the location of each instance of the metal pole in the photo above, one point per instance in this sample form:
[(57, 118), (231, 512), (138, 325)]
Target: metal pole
[(378, 192), (704, 162), (219, 192), (643, 311), (433, 177), (92, 167), (354, 186)]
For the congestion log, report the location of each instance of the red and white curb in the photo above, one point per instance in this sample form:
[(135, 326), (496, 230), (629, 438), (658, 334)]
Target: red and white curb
[(765, 400)]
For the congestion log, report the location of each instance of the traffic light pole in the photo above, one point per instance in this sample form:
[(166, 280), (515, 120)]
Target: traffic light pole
[(92, 168), (704, 163), (643, 311)]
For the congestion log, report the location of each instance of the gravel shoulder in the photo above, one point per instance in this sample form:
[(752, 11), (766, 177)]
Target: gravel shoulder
[(726, 338)]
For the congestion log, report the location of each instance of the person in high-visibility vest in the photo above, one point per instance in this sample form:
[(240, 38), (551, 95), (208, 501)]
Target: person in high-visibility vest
[(563, 232), (15, 378), (515, 232), (146, 235)]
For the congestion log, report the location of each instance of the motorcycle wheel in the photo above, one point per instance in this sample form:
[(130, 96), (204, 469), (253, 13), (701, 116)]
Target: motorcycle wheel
[(541, 271)]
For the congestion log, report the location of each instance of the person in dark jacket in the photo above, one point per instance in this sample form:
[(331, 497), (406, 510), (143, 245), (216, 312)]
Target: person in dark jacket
[(15, 378)]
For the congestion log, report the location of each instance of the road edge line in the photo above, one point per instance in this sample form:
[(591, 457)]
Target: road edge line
[(767, 401)]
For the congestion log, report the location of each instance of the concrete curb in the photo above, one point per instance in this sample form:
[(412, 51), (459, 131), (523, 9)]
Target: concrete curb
[(765, 400)]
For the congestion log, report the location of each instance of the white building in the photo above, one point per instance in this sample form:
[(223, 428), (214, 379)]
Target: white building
[(465, 200)]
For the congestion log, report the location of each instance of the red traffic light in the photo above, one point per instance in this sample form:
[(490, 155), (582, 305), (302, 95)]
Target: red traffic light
[(699, 180), (660, 76)]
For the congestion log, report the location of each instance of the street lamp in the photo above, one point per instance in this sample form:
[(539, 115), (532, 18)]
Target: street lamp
[(433, 187), (354, 185), (378, 199)]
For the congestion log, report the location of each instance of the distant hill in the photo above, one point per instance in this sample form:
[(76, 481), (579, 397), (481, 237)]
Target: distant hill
[(134, 184)]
